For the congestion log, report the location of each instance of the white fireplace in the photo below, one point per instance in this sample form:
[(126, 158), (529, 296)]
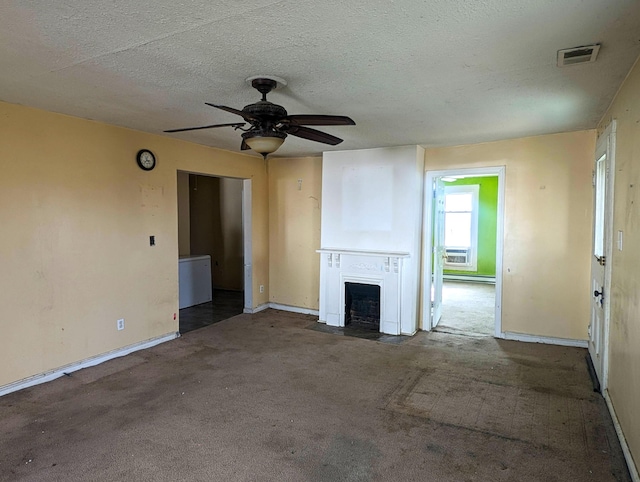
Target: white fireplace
[(371, 232), (383, 269)]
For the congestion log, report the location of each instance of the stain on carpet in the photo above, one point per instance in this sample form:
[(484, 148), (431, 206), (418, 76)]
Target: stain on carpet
[(529, 414), (347, 459)]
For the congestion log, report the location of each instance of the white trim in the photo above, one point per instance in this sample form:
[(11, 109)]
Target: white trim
[(470, 278), (633, 470), (87, 362), (364, 252), (257, 309), (609, 252), (500, 247), (547, 340), (294, 309), (247, 243), (278, 306), (427, 236)]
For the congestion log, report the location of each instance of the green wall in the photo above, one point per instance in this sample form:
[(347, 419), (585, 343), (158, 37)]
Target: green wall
[(487, 223)]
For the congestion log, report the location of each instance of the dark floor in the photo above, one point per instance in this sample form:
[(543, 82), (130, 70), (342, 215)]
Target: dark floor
[(360, 332), (264, 398), (225, 304)]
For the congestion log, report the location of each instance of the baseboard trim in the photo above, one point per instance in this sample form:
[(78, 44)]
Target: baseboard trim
[(278, 306), (633, 470), (470, 278), (257, 309), (87, 362), (548, 340), (294, 309)]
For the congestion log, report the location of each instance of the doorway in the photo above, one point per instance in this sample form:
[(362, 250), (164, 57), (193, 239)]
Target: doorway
[(463, 232), (212, 243)]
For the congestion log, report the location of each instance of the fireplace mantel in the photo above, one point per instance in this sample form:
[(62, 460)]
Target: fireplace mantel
[(381, 268), (363, 252)]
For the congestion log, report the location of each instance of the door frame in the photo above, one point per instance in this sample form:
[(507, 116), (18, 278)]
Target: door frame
[(438, 249), (606, 144), (427, 232), (247, 234)]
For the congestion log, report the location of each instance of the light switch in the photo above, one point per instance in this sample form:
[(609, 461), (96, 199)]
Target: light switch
[(619, 240)]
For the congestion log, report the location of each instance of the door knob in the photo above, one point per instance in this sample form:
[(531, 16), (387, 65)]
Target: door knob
[(597, 293)]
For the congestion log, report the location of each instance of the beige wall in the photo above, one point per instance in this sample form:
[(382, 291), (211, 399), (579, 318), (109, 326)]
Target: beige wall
[(294, 231), (76, 215), (184, 226), (231, 267), (215, 210), (547, 238), (204, 210), (624, 341)]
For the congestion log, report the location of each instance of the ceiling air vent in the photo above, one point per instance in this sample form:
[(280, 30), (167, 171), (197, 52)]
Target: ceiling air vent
[(578, 55)]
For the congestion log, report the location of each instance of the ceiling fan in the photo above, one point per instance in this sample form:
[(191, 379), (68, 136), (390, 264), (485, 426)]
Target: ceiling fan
[(269, 123)]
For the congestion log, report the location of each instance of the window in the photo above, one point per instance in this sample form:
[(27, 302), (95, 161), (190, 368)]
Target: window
[(461, 227), (599, 184)]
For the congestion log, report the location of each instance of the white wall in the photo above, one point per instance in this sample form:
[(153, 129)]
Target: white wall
[(372, 200)]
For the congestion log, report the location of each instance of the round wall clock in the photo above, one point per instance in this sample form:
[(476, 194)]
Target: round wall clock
[(146, 160)]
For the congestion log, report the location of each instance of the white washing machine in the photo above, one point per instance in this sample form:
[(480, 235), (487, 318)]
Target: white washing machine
[(194, 275)]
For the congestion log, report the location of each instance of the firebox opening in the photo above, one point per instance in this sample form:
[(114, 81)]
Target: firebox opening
[(362, 306)]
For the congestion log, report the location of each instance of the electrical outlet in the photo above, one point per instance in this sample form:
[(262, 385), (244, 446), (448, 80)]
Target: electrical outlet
[(121, 324), (261, 288)]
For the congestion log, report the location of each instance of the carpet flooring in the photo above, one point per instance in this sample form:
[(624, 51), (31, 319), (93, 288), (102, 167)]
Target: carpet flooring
[(468, 308), (265, 398)]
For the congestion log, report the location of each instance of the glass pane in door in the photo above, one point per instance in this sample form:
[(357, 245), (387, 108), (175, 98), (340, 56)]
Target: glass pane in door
[(600, 176)]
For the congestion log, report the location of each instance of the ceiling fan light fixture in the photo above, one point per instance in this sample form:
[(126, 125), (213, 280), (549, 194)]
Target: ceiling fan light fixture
[(264, 142)]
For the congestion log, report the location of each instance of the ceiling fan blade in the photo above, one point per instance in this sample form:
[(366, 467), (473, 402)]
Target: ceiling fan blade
[(246, 117), (234, 124), (244, 146), (313, 135), (319, 120)]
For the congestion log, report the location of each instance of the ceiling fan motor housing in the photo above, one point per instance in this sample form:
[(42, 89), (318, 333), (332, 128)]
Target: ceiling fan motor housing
[(265, 110)]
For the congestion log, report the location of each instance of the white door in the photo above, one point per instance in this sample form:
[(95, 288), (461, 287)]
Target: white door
[(439, 252), (602, 219)]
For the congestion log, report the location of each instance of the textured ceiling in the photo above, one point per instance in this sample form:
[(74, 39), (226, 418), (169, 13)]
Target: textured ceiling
[(437, 72)]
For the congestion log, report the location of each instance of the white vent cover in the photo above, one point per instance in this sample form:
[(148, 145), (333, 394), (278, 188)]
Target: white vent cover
[(578, 55)]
